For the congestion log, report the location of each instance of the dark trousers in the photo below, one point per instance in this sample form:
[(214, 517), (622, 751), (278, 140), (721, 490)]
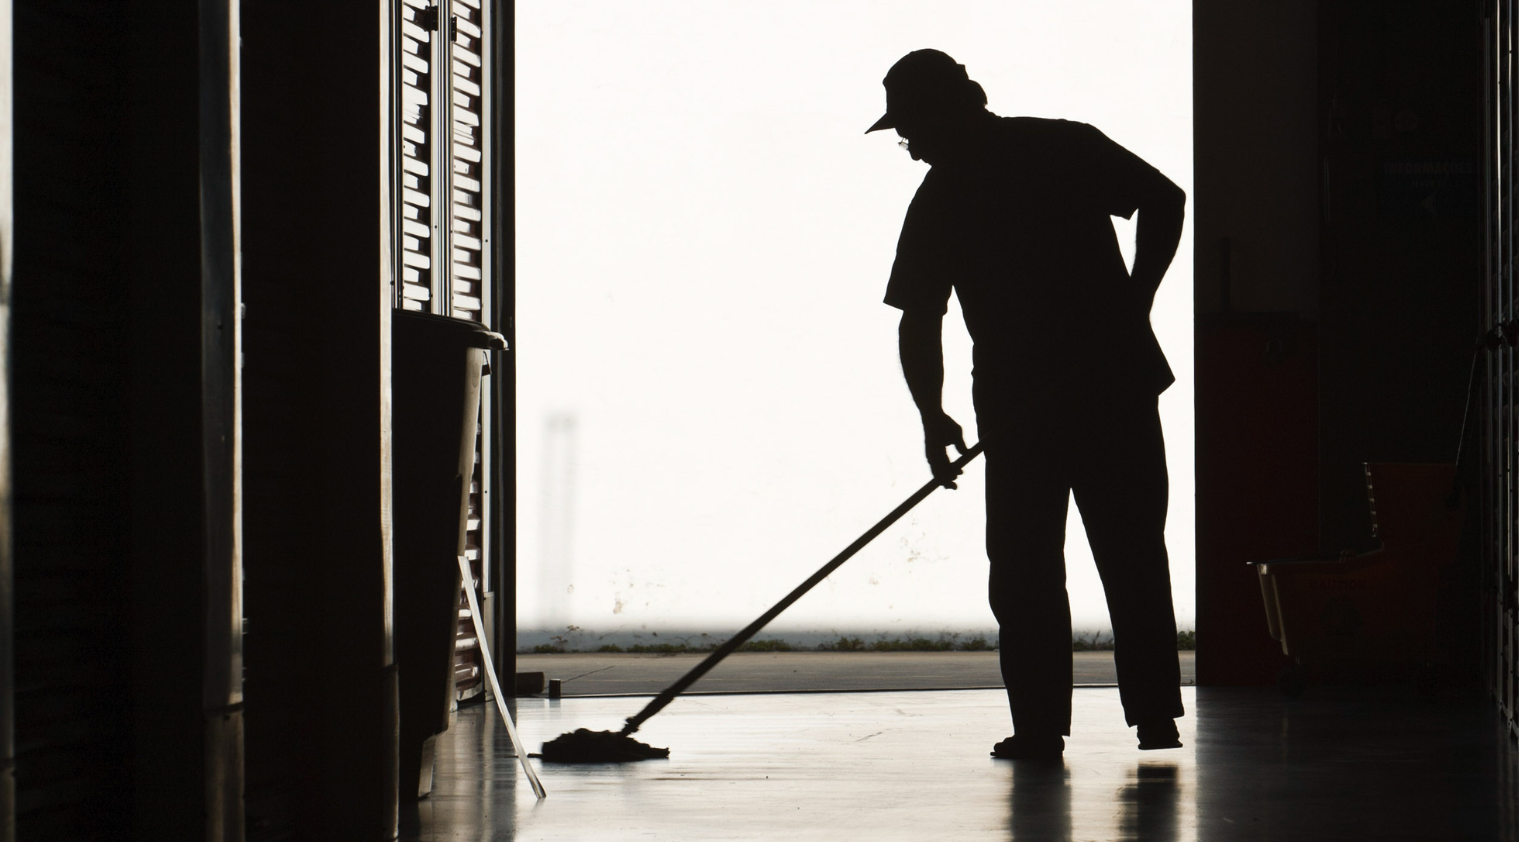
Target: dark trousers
[(1111, 456)]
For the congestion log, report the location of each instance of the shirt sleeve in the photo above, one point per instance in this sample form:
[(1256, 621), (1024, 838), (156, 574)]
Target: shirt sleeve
[(920, 277), (1120, 180)]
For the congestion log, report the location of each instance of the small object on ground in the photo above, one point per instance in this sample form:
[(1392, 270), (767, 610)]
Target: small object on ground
[(1159, 734), (529, 683), (586, 746), (1019, 747)]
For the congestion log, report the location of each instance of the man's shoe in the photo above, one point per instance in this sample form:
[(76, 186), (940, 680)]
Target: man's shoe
[(1160, 733), (1029, 748)]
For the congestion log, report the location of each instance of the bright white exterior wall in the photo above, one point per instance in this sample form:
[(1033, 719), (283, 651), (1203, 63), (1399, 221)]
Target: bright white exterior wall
[(710, 404)]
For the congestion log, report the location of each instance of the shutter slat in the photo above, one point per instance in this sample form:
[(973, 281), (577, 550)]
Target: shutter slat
[(467, 57), (462, 82), (469, 28)]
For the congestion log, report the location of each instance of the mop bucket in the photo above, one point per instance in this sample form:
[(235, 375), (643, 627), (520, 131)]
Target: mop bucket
[(1372, 617)]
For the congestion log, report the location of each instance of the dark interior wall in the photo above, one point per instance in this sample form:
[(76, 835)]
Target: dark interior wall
[(1401, 109), (1401, 95), (1337, 266), (69, 417), (110, 327), (109, 323), (1255, 217), (168, 181), (320, 692), (1401, 99), (1255, 124), (278, 378)]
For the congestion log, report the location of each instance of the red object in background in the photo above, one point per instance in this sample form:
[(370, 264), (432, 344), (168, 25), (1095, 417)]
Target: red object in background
[(1257, 480), (1373, 616)]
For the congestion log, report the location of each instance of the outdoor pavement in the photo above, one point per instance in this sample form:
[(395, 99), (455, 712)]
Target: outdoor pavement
[(594, 674)]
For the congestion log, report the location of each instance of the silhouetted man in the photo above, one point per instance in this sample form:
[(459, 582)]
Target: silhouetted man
[(1014, 218)]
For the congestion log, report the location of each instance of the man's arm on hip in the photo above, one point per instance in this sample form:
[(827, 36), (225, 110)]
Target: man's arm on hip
[(1156, 236)]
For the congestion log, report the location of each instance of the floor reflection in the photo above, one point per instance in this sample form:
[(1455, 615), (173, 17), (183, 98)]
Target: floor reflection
[(474, 785), (1041, 802), (1150, 803), (911, 766)]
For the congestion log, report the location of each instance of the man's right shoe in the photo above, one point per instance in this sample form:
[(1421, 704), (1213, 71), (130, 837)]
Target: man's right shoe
[(1030, 747), (1158, 734)]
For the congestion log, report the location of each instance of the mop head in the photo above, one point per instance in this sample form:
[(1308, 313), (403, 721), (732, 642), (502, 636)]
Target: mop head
[(586, 746)]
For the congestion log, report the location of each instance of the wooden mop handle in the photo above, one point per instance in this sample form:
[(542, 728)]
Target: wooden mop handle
[(490, 672), (764, 619)]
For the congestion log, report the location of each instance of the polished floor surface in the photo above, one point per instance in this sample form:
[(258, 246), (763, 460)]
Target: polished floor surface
[(1336, 765), (589, 674)]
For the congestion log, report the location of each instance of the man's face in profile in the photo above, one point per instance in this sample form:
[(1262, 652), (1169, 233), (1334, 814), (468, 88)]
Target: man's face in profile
[(927, 134)]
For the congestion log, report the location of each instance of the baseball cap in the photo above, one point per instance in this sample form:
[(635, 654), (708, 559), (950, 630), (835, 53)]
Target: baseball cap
[(921, 78)]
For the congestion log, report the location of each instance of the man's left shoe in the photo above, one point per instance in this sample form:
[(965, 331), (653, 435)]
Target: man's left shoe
[(1029, 747), (1158, 734)]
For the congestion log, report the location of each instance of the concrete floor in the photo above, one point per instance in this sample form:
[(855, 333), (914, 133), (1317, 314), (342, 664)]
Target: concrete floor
[(1335, 765), (589, 674)]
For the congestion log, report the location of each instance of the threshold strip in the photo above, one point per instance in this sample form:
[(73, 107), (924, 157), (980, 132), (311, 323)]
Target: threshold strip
[(795, 692)]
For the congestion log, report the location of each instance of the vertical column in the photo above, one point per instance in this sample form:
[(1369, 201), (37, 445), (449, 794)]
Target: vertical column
[(501, 183), (221, 428), (7, 619), (183, 496), (319, 284)]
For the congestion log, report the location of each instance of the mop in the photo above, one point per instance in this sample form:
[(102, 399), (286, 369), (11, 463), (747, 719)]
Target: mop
[(586, 746)]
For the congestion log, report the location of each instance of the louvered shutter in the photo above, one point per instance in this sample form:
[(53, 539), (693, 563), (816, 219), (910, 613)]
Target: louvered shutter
[(417, 224), (468, 218), (444, 217), (467, 160)]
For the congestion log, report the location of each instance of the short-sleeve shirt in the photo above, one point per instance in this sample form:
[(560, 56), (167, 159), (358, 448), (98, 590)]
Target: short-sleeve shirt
[(1021, 232)]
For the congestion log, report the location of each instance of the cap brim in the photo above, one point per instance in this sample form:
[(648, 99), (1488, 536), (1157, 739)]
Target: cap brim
[(884, 123)]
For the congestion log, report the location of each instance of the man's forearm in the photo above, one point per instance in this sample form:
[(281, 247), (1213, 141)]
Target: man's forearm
[(918, 342), (1155, 239)]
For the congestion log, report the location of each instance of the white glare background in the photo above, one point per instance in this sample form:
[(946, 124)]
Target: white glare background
[(710, 403)]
